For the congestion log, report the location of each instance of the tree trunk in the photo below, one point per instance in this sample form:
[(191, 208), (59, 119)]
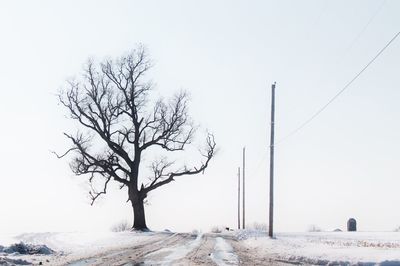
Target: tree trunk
[(139, 219)]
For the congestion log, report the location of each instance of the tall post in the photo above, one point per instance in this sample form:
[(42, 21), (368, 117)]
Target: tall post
[(271, 165), (244, 187), (238, 214)]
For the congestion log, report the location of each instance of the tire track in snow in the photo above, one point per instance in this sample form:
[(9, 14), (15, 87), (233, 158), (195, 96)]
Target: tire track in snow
[(199, 256), (170, 255), (131, 254), (137, 256), (223, 253)]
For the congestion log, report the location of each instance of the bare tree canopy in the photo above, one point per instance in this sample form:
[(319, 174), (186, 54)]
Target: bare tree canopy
[(111, 101)]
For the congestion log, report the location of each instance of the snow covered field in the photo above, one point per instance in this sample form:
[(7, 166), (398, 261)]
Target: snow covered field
[(322, 248)]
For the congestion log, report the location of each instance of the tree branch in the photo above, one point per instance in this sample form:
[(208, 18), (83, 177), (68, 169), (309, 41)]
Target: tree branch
[(195, 170)]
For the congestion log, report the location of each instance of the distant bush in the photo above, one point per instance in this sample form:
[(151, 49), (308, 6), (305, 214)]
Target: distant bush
[(216, 230), (314, 228), (122, 226), (259, 227), (195, 232)]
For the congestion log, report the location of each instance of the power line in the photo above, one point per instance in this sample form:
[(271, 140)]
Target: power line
[(339, 93), (263, 157), (367, 25)]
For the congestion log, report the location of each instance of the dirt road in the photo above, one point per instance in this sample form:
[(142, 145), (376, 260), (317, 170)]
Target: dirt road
[(177, 249)]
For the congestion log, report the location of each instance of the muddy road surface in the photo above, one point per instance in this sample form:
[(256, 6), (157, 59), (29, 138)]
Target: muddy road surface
[(177, 249)]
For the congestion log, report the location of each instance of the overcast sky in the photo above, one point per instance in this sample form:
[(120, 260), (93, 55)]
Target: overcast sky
[(226, 54)]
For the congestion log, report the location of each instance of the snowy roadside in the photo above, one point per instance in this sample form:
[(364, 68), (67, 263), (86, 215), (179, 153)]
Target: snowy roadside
[(71, 246), (327, 248)]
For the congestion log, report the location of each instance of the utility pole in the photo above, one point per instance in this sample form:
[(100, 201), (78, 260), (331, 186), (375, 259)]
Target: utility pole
[(238, 174), (271, 165), (244, 205)]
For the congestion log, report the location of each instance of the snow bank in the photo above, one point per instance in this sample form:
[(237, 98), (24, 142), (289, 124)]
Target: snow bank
[(72, 246), (72, 242), (23, 248), (9, 261), (324, 248)]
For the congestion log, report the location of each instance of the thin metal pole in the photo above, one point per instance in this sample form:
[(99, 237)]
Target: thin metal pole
[(238, 198), (271, 165), (244, 175)]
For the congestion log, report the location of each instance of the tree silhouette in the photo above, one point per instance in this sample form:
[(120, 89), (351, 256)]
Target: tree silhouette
[(111, 102)]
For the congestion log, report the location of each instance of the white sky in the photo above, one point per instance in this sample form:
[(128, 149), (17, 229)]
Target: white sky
[(226, 54)]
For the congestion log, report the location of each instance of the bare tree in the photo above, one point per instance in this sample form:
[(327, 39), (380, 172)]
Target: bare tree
[(111, 101)]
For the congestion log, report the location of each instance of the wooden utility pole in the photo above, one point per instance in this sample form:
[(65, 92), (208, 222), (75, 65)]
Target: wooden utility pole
[(244, 175), (238, 174), (271, 165)]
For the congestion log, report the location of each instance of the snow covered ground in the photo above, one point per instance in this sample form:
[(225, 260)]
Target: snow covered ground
[(72, 246), (323, 248), (85, 242), (244, 247)]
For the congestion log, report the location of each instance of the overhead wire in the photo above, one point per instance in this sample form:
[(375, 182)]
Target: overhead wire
[(319, 111), (367, 25), (293, 132)]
